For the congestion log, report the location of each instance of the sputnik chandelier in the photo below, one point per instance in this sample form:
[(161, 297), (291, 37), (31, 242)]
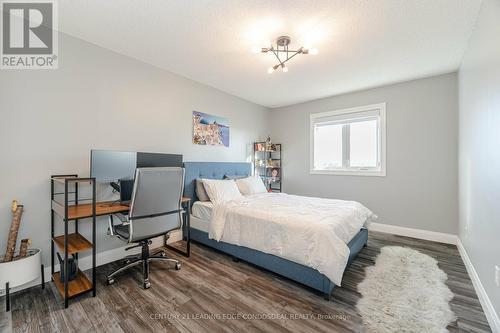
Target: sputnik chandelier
[(283, 53)]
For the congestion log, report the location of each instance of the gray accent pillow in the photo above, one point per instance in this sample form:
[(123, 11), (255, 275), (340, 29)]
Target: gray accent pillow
[(235, 176), (200, 190)]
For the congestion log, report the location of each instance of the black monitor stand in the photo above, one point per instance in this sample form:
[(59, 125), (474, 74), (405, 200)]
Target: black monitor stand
[(115, 186), (124, 187)]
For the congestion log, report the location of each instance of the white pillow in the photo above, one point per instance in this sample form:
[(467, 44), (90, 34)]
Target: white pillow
[(221, 190), (251, 185)]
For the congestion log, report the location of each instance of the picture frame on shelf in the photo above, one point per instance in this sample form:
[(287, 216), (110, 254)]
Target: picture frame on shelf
[(275, 174)]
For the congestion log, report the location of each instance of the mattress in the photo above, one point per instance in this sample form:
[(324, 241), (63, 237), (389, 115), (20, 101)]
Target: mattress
[(201, 214), (202, 210), (199, 224), (313, 232)]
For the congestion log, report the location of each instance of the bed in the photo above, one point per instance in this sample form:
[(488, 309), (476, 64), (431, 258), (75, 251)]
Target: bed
[(200, 226)]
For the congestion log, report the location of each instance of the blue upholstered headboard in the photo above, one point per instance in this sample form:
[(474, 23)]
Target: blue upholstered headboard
[(211, 170)]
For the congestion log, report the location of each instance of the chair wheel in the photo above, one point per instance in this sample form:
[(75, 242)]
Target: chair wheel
[(178, 266), (147, 285), (111, 281)]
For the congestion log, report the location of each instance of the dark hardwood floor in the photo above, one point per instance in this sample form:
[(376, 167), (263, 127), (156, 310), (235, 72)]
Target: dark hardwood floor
[(211, 293)]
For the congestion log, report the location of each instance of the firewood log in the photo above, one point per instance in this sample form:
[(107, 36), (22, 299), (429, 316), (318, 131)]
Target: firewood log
[(23, 252), (14, 229)]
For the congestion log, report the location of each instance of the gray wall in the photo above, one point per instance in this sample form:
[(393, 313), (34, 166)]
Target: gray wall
[(50, 119), (479, 147), (420, 189)]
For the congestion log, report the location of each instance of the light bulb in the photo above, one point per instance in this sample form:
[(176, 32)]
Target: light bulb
[(313, 51), (284, 68), (270, 70)]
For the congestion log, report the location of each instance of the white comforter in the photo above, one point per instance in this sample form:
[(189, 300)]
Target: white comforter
[(310, 231)]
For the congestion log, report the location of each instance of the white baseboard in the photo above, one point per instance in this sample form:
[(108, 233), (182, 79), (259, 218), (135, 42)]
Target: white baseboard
[(488, 308), (101, 259), (414, 233)]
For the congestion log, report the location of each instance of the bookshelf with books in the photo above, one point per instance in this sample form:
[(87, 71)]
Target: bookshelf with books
[(267, 164)]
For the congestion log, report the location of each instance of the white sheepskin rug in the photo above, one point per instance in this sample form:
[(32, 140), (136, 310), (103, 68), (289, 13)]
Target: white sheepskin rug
[(405, 292)]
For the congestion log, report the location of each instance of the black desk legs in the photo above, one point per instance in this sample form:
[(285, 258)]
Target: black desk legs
[(7, 297), (186, 224)]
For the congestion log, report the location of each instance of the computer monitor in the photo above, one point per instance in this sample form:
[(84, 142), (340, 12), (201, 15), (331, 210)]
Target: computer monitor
[(109, 166), (149, 160), (118, 167), (126, 188)]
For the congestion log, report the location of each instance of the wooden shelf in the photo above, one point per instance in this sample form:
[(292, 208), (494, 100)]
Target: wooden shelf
[(85, 210), (76, 243), (81, 284)]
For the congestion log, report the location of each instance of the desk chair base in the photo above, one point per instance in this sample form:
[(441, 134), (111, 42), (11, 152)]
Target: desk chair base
[(144, 258)]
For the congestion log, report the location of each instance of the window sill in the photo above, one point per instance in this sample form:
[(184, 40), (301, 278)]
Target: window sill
[(374, 173)]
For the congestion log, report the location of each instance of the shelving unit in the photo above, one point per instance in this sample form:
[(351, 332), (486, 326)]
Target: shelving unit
[(73, 243), (267, 164), (76, 243)]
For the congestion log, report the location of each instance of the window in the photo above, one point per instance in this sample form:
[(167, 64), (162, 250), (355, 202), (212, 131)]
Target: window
[(349, 142)]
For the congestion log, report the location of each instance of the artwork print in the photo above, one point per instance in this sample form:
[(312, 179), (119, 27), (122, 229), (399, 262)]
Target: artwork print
[(210, 130)]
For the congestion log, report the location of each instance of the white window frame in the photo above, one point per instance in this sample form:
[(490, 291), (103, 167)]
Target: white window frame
[(352, 113)]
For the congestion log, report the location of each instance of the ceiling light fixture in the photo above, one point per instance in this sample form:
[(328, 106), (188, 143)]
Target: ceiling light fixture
[(282, 52)]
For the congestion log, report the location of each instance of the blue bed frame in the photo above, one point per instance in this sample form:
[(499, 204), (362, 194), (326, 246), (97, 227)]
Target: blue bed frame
[(294, 271)]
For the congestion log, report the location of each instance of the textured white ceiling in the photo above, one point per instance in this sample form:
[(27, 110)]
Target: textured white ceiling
[(362, 43)]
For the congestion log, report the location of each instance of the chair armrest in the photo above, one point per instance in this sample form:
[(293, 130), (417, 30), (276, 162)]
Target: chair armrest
[(122, 218), (111, 225)]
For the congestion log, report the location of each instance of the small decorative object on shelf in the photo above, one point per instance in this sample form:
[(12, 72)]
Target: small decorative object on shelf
[(267, 164), (72, 267), (269, 145)]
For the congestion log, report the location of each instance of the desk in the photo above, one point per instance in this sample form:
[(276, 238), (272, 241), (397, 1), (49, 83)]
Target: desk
[(76, 243), (73, 243)]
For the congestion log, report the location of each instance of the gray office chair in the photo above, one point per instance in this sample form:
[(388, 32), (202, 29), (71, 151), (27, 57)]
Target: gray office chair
[(155, 210)]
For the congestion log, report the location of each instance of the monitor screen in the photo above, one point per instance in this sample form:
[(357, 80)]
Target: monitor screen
[(150, 160), (111, 166)]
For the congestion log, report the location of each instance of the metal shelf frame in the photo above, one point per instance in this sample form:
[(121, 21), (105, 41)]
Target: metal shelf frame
[(62, 211), (264, 171)]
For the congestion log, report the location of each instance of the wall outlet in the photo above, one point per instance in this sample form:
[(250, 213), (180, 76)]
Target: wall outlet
[(497, 276)]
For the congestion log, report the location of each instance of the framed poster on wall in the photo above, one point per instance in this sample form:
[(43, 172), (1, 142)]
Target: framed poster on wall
[(210, 130)]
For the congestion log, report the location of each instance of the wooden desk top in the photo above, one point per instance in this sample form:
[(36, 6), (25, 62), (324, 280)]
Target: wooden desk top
[(102, 208)]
